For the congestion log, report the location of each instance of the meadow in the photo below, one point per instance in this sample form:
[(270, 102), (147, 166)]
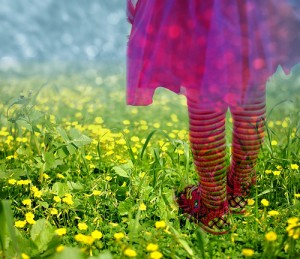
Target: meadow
[(82, 175)]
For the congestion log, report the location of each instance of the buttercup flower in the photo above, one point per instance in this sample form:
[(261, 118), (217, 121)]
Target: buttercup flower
[(156, 255), (160, 224), (152, 247), (30, 218), (248, 252), (82, 226), (265, 202), (294, 166), (26, 202), (274, 143), (56, 198), (20, 223), (53, 211), (88, 240), (119, 236), (12, 181), (96, 234), (25, 256), (59, 248), (143, 207), (271, 236), (130, 252), (68, 199), (96, 192), (61, 231), (250, 202), (273, 213)]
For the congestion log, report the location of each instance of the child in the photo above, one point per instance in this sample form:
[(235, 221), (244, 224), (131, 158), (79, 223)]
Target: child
[(219, 53)]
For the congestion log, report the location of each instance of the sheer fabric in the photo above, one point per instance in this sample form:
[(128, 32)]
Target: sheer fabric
[(223, 51)]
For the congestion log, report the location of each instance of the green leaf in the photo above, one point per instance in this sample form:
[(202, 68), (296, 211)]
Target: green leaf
[(81, 141), (69, 252), (60, 189), (7, 226), (42, 233), (49, 160), (182, 242), (71, 149), (104, 255), (75, 186), (63, 134), (146, 143), (124, 207), (120, 171)]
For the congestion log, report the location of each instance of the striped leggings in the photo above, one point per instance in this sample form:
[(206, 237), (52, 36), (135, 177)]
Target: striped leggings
[(207, 138)]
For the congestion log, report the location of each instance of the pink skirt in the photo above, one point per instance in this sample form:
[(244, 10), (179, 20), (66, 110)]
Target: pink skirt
[(221, 51)]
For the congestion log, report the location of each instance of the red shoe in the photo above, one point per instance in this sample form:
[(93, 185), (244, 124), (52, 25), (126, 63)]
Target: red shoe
[(213, 221), (237, 199)]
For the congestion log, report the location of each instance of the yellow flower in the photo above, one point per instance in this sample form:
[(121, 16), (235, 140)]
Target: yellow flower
[(96, 234), (297, 195), (156, 255), (46, 176), (294, 166), (273, 213), (60, 176), (82, 226), (108, 178), (276, 172), (26, 202), (25, 256), (250, 202), (68, 199), (284, 124), (119, 236), (156, 125), (53, 211), (96, 192), (279, 167), (265, 202), (61, 231), (160, 224), (152, 247), (268, 171), (59, 248), (126, 122), (248, 252), (34, 188), (88, 240), (30, 218), (179, 151), (113, 224), (20, 223), (135, 139), (130, 252), (23, 182), (12, 181), (293, 221), (142, 207), (274, 143), (271, 236), (88, 157), (56, 198), (37, 194)]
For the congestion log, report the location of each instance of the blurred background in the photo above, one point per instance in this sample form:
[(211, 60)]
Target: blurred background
[(52, 31)]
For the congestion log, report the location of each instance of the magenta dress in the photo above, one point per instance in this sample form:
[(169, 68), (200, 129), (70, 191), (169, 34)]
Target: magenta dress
[(223, 51)]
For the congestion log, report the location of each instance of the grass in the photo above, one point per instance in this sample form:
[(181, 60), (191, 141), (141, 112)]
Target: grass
[(82, 175)]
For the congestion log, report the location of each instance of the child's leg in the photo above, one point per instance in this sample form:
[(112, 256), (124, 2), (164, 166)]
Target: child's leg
[(207, 203), (248, 132)]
